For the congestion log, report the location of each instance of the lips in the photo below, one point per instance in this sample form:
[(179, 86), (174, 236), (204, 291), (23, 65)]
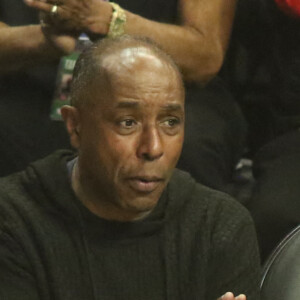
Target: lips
[(145, 184)]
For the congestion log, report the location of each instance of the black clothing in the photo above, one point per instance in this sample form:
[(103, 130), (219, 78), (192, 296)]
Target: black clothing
[(215, 127), (156, 10), (275, 203), (265, 55), (263, 69), (214, 137), (26, 131), (196, 244)]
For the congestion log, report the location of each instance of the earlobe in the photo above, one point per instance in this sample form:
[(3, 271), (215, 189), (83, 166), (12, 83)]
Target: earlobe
[(71, 118)]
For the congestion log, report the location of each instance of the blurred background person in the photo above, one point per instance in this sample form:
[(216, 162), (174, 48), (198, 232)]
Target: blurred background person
[(28, 63), (263, 71)]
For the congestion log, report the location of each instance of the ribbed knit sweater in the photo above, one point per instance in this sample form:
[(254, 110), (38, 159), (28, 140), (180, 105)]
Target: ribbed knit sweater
[(196, 244)]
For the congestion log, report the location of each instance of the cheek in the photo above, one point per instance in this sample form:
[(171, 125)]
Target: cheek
[(173, 148), (118, 152)]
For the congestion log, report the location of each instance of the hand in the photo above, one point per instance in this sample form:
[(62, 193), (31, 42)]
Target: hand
[(76, 16), (230, 296), (64, 43)]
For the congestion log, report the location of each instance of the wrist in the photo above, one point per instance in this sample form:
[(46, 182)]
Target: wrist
[(111, 21), (118, 21), (98, 23)]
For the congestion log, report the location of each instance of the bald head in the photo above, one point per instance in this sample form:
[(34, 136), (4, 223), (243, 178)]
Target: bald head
[(101, 66)]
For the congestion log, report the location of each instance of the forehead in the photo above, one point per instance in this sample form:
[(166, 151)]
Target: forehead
[(136, 73), (131, 58), (135, 76)]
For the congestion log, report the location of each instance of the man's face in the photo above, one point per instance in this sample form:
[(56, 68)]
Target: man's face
[(131, 139)]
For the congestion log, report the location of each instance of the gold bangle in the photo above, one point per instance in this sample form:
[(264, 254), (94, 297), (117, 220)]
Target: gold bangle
[(118, 20)]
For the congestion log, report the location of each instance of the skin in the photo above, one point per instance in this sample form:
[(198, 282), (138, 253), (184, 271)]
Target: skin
[(129, 137), (230, 296), (203, 32), (24, 46)]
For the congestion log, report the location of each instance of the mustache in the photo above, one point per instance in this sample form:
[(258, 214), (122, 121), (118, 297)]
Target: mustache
[(144, 174), (147, 178)]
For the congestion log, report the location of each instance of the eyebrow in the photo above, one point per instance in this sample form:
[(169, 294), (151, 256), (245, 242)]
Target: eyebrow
[(127, 104), (172, 106), (135, 104)]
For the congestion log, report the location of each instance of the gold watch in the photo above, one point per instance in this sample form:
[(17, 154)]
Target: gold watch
[(118, 20)]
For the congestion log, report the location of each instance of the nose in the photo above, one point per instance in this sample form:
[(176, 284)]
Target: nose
[(150, 144)]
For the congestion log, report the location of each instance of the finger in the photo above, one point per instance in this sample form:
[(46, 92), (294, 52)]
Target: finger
[(241, 297), (58, 2), (227, 296), (39, 5)]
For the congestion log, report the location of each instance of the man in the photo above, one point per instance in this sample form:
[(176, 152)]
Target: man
[(114, 221)]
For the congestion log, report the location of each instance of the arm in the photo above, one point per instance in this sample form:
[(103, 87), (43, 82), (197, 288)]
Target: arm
[(25, 46), (198, 44)]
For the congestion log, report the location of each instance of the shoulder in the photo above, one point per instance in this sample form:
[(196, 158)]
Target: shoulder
[(207, 208), (11, 187), (25, 193), (13, 205), (199, 197)]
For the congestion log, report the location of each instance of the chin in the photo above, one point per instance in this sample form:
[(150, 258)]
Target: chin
[(141, 204)]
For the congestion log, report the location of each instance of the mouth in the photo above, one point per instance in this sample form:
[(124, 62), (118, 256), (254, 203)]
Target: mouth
[(145, 184)]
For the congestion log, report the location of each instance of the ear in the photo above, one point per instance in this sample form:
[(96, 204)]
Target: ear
[(71, 118)]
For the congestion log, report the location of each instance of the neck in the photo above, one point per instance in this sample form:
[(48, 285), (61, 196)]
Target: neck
[(98, 205)]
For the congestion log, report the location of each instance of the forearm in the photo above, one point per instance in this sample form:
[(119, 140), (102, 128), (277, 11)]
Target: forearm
[(198, 56), (199, 43), (24, 46)]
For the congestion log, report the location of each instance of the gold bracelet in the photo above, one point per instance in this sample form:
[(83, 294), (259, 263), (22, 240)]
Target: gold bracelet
[(118, 20)]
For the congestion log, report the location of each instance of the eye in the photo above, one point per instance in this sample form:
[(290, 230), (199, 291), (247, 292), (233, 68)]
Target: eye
[(171, 125), (127, 124), (172, 122)]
